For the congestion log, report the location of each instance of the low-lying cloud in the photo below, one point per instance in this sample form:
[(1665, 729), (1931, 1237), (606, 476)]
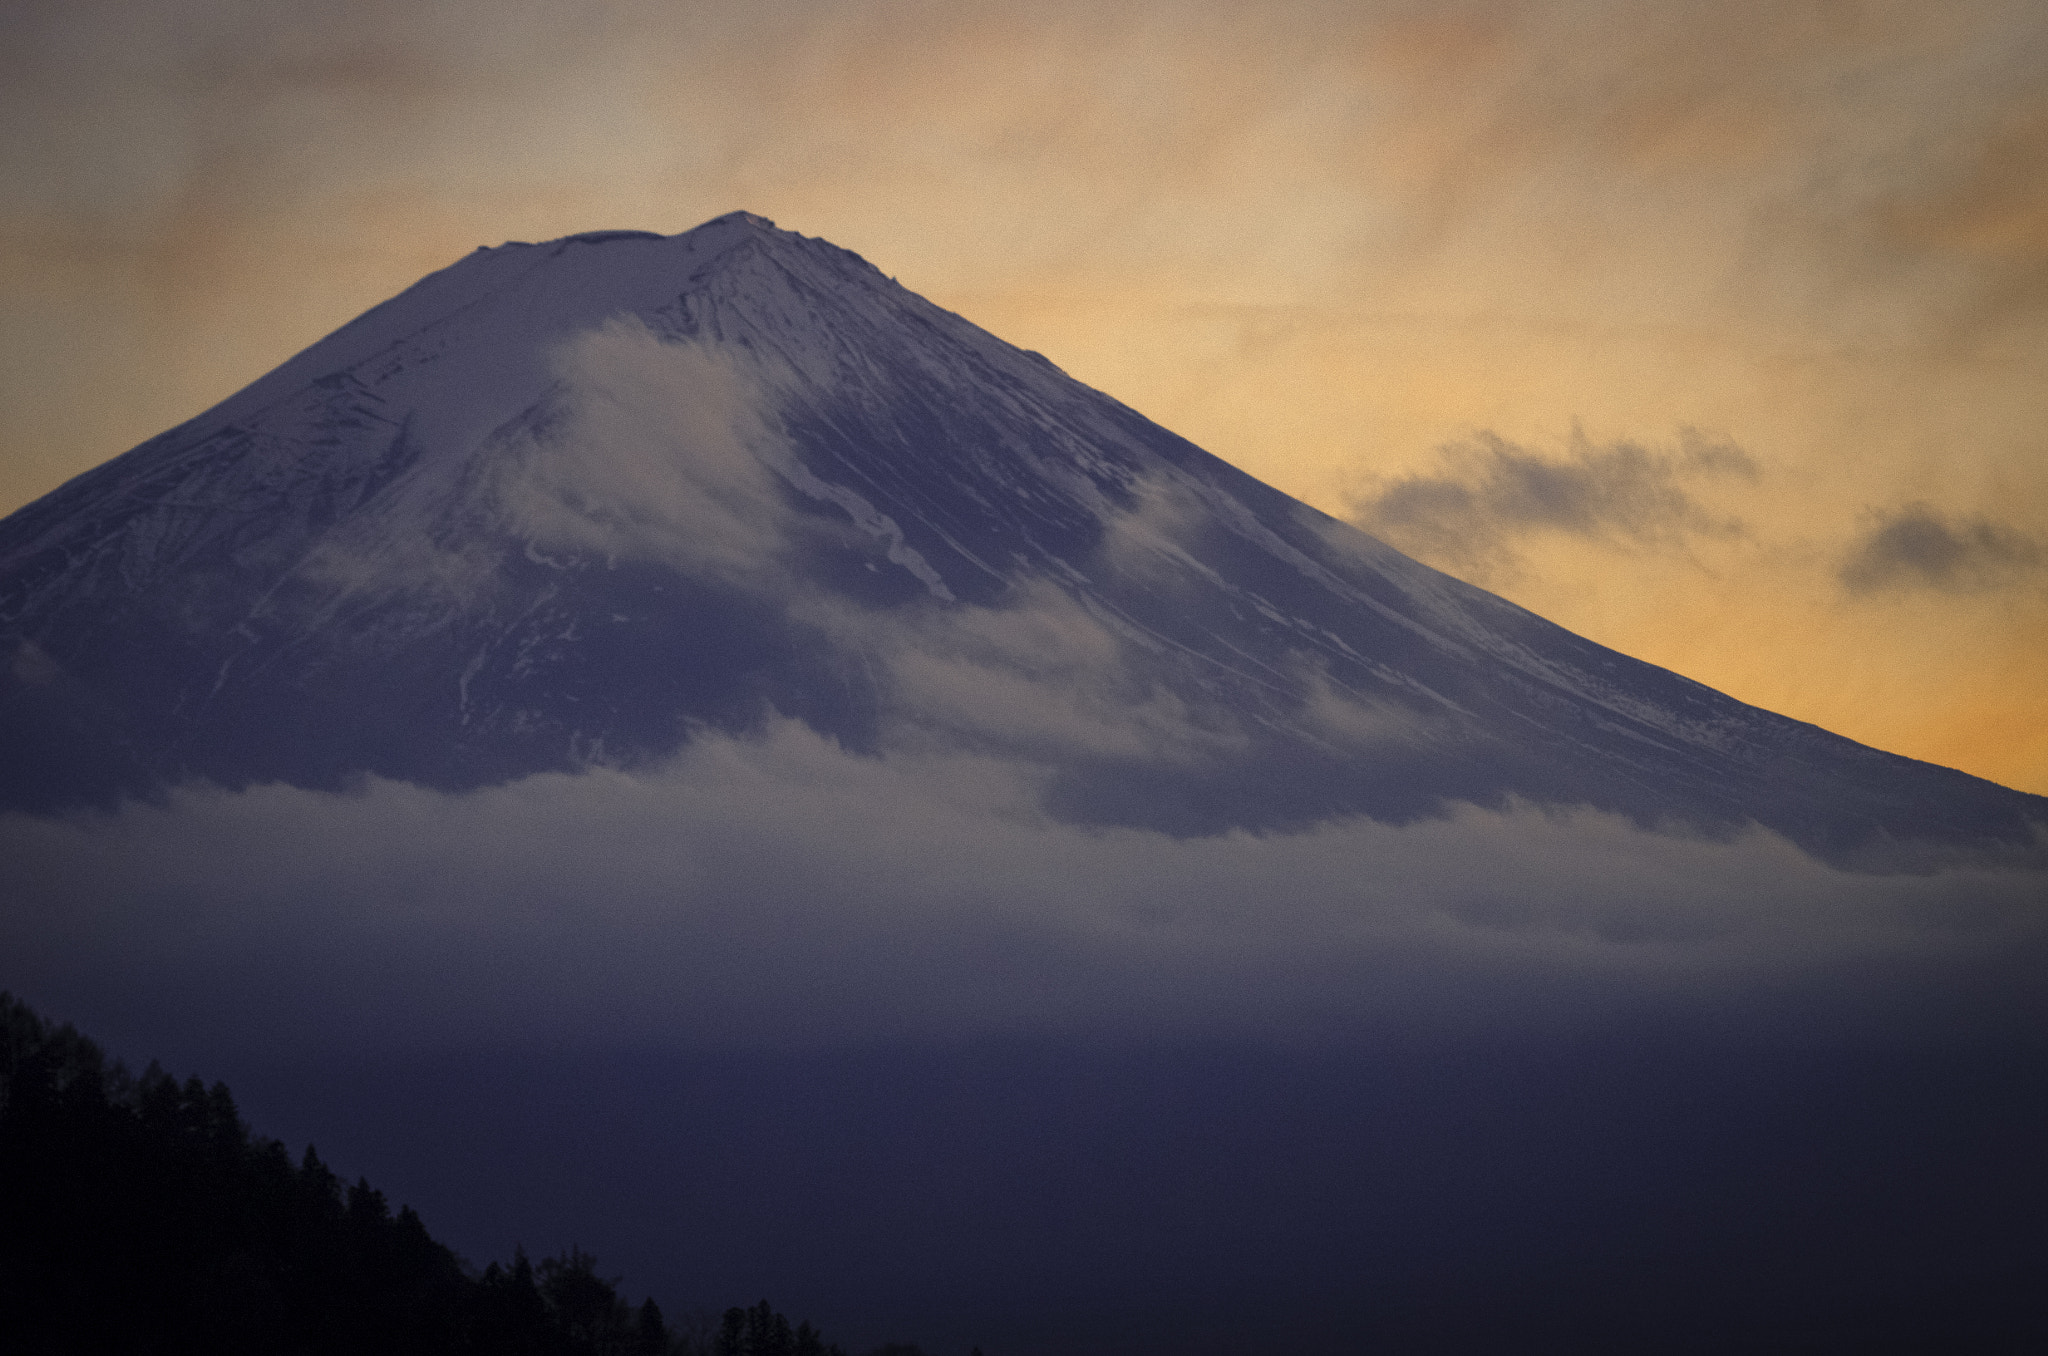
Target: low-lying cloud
[(780, 891), (1917, 547), (1490, 495)]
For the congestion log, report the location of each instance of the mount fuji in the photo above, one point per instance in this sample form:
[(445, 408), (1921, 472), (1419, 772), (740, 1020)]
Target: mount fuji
[(571, 504), (680, 747)]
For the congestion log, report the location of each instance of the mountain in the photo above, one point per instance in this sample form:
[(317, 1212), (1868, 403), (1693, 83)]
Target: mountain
[(567, 504)]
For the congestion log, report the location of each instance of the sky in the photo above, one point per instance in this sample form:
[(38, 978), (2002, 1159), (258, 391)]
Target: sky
[(1712, 331)]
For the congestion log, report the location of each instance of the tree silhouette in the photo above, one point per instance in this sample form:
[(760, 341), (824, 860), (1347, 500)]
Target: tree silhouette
[(139, 1214)]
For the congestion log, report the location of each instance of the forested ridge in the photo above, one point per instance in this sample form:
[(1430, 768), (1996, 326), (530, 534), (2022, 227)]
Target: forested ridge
[(139, 1214)]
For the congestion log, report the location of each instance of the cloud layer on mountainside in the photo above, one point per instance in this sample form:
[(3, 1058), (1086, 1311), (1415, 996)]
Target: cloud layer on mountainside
[(777, 890)]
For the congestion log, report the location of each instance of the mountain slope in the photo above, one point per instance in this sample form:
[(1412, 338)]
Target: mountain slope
[(565, 503)]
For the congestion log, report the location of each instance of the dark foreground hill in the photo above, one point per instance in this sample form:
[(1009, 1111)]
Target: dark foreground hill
[(139, 1214), (565, 504)]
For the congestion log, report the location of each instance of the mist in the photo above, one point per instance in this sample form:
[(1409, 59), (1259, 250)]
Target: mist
[(777, 891)]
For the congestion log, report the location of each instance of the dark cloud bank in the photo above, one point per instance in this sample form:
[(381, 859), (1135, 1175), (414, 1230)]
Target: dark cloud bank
[(1918, 547), (1490, 494), (878, 1037)]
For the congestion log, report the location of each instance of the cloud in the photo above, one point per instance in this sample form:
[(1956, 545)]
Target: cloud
[(1918, 547), (1041, 676), (653, 451), (1490, 494), (672, 452), (780, 891), (656, 450), (647, 448)]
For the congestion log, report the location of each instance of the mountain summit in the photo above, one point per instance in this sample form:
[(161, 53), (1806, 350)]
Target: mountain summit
[(567, 504)]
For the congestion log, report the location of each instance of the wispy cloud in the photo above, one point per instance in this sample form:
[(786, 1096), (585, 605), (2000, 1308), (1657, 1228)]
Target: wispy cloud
[(1489, 495), (661, 451), (1919, 547)]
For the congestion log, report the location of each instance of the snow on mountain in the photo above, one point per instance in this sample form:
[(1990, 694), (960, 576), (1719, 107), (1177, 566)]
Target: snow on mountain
[(567, 503)]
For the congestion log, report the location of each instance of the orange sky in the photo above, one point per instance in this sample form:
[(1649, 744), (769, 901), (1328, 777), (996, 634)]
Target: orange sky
[(1717, 332)]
